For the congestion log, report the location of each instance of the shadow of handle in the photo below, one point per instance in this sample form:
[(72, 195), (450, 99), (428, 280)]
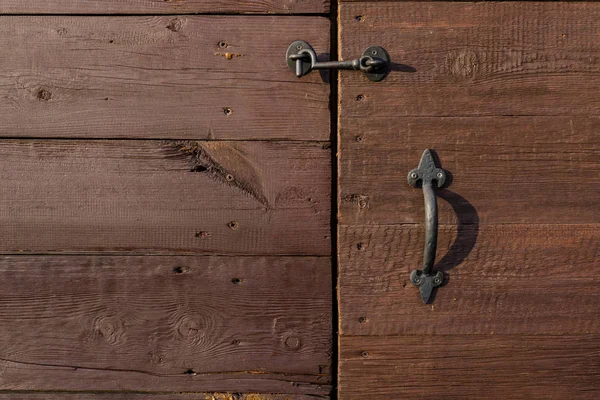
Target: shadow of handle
[(467, 230)]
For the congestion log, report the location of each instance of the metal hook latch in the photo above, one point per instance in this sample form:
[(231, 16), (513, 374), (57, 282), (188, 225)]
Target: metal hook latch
[(427, 172), (301, 58)]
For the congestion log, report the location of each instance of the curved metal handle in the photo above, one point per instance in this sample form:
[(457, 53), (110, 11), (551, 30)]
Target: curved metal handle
[(427, 279), (302, 59)]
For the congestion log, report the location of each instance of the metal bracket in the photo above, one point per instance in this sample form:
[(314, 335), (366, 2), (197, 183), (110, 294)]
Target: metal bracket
[(302, 59), (427, 279)]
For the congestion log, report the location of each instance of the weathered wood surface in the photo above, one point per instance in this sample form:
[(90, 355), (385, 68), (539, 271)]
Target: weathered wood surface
[(183, 77), (150, 396), (470, 367), (472, 59), (501, 279), (231, 324), (162, 6), (506, 169), (506, 93), (165, 197)]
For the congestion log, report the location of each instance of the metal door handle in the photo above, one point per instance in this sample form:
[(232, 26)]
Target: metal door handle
[(426, 279), (301, 58)]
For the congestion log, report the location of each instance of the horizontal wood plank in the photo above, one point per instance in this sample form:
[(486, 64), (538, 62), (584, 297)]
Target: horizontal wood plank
[(506, 170), (24, 395), (165, 197), (182, 77), (501, 279), (231, 324), (470, 367), (162, 6), (465, 58)]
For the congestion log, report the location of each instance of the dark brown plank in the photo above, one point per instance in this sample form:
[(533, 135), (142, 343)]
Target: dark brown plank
[(162, 6), (231, 324), (184, 77), (506, 169), (148, 396), (470, 367), (486, 58), (164, 197), (502, 279)]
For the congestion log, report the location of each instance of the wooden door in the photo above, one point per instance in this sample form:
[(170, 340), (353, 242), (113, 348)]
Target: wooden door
[(507, 94), (165, 228)]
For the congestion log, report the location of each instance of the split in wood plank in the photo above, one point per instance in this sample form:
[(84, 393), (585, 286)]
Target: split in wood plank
[(25, 395)]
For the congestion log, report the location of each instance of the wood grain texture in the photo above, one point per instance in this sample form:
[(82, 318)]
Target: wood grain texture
[(470, 367), (162, 6), (507, 170), (203, 324), (503, 279), (506, 94), (165, 197), (24, 395), (485, 58), (183, 77), (500, 279)]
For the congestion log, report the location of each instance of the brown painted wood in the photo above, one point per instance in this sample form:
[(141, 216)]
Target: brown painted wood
[(149, 396), (162, 6), (506, 94), (507, 170), (165, 197), (485, 58), (231, 324), (470, 367), (184, 77), (502, 279)]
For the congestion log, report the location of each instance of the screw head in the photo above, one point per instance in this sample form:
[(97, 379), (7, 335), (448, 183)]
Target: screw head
[(440, 174), (299, 47), (437, 281), (374, 52), (414, 175), (417, 281)]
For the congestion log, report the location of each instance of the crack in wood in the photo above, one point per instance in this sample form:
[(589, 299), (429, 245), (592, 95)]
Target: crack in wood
[(138, 371), (224, 162)]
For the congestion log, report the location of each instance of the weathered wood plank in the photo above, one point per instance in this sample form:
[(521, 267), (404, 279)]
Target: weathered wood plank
[(231, 324), (184, 77), (470, 367), (505, 169), (502, 279), (486, 58), (165, 197), (162, 6), (149, 396)]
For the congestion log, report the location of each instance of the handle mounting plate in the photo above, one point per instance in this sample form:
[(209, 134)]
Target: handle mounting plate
[(427, 279)]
